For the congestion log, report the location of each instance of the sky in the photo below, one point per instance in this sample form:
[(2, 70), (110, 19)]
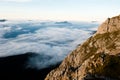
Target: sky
[(75, 10)]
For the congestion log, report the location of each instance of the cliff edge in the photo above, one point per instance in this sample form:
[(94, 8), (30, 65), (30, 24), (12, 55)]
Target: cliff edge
[(98, 58)]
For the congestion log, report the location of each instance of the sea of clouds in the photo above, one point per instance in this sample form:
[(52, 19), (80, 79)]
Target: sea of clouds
[(53, 41)]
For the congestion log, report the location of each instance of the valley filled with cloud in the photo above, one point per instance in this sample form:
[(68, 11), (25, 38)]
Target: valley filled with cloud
[(53, 41)]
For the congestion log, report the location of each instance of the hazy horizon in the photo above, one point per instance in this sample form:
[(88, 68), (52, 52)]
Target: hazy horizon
[(70, 10)]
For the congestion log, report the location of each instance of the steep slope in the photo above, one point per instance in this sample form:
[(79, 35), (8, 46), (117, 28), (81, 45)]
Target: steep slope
[(96, 59)]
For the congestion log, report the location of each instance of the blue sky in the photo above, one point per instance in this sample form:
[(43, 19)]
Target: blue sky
[(76, 10)]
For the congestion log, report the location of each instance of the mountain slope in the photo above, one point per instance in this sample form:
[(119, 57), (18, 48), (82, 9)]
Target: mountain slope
[(96, 59)]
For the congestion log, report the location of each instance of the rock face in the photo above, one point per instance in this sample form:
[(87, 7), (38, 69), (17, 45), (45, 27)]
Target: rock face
[(110, 25), (98, 58)]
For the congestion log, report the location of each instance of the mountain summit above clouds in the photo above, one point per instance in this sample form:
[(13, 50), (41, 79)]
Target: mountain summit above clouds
[(98, 58)]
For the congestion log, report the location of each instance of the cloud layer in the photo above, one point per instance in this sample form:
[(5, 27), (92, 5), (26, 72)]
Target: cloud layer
[(51, 40)]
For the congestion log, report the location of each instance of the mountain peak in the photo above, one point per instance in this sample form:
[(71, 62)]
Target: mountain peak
[(110, 25)]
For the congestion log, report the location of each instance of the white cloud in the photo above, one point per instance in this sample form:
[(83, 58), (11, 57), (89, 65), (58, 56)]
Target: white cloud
[(49, 40), (15, 0)]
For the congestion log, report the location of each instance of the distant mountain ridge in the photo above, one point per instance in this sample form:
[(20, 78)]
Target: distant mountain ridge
[(3, 20), (98, 58), (64, 22)]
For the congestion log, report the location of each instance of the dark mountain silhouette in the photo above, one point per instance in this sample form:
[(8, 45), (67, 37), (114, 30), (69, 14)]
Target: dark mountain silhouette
[(3, 20), (14, 68)]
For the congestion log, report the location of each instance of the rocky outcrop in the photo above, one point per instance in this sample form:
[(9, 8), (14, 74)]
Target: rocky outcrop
[(98, 58), (110, 25)]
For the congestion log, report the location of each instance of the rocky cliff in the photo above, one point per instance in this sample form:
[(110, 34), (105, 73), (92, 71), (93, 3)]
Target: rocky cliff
[(98, 58)]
